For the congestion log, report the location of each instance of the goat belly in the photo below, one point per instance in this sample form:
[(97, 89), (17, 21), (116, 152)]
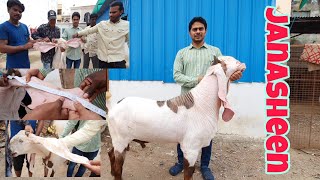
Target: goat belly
[(147, 121)]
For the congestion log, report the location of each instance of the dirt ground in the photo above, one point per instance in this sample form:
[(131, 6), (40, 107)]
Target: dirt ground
[(232, 158), (34, 60)]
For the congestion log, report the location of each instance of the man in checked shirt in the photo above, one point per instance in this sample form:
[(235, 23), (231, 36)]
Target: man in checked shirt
[(48, 32)]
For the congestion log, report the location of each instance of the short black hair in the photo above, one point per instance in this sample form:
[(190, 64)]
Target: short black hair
[(117, 3), (75, 14), (93, 15), (198, 19), (12, 3)]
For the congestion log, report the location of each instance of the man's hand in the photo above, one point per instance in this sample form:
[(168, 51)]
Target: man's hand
[(82, 113), (46, 39), (27, 46), (94, 84), (28, 128), (83, 39), (200, 78), (95, 167), (75, 35), (33, 72), (48, 111), (236, 76), (62, 49), (4, 81)]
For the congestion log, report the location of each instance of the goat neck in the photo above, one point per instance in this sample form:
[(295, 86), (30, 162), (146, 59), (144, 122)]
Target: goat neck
[(206, 95)]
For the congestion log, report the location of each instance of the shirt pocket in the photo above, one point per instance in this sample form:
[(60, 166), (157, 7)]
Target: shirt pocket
[(107, 29), (121, 30)]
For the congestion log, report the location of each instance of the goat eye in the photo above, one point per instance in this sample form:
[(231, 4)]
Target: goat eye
[(21, 141)]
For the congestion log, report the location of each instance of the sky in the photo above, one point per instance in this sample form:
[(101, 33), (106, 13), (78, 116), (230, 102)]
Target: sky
[(70, 3), (36, 10)]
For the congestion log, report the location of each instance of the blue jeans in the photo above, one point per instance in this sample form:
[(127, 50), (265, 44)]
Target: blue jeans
[(82, 169), (205, 155), (76, 63)]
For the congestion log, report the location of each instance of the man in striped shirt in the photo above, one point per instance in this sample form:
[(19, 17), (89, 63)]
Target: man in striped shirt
[(190, 66)]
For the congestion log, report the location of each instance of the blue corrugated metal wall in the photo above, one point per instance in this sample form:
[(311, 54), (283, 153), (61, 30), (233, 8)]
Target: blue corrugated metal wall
[(159, 28)]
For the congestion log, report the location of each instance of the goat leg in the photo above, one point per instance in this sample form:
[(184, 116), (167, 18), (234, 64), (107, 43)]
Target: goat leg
[(118, 167), (188, 171), (45, 169), (112, 160)]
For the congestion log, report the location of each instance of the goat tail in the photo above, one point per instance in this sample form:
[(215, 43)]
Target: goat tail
[(142, 143)]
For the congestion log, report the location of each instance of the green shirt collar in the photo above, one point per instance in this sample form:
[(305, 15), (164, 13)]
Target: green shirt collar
[(205, 45)]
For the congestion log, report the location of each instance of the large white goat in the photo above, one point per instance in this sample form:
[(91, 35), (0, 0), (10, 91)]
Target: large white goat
[(56, 151), (190, 119)]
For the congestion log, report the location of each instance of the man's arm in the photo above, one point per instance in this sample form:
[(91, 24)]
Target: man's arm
[(91, 30), (38, 34), (69, 126), (5, 48), (39, 127), (4, 41), (179, 77)]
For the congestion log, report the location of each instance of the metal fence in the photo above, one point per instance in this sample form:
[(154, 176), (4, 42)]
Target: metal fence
[(304, 102)]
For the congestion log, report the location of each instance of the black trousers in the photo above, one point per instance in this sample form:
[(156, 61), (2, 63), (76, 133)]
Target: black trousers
[(120, 64)]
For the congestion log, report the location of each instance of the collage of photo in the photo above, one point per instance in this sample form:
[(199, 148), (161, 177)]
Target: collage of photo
[(159, 89)]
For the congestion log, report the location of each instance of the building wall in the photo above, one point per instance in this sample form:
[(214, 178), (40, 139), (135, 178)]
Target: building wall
[(159, 28), (82, 10)]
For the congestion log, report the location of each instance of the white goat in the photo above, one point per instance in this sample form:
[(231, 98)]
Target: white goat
[(189, 119), (23, 144)]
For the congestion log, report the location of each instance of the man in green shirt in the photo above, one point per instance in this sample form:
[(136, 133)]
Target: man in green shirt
[(190, 66), (89, 149), (73, 54)]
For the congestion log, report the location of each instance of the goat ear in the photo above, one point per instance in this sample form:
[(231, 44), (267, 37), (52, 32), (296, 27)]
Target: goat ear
[(215, 61), (223, 83)]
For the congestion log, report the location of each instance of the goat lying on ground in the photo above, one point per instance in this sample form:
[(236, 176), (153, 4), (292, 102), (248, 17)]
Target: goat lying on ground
[(189, 119)]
